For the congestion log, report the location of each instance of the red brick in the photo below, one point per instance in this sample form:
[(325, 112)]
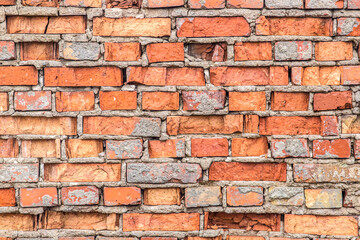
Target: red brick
[(321, 225), (207, 4), (244, 221), (244, 196), (75, 101), (236, 171), (32, 100), (329, 126), (122, 51), (279, 125), (245, 4), (7, 50), (162, 196), (17, 222), (90, 172), (294, 26), (332, 101), (81, 3), (165, 3), (49, 25), (161, 222), (38, 197), (348, 26), (249, 147), (132, 126), (41, 148), (320, 76), (125, 149), (227, 124), (243, 76), (165, 52), (79, 220), (21, 75), (209, 147), (251, 124), (357, 149), (83, 195), (82, 77), (245, 51), (39, 51), (160, 101), (166, 76), (37, 125), (114, 196), (204, 27), (40, 3), (4, 101), (7, 197), (118, 100), (333, 51), (284, 101), (203, 100), (132, 27), (171, 148), (247, 101), (7, 2), (244, 238), (9, 148), (83, 148), (337, 148)]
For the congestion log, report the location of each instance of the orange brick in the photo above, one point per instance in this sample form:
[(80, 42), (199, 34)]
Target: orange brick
[(244, 196), (351, 75), (249, 147), (37, 125), (82, 3), (118, 100), (321, 76), (41, 148), (321, 225), (165, 3), (165, 52), (294, 26), (245, 4), (40, 3), (71, 220), (237, 171), (122, 51), (329, 126), (162, 196), (81, 148), (171, 148), (245, 51), (243, 76), (74, 101), (21, 75), (39, 51), (333, 51), (251, 124), (279, 125), (114, 196), (227, 124), (244, 238), (344, 30), (4, 101), (82, 77), (160, 101), (284, 101), (132, 27), (132, 126), (66, 172), (17, 222), (7, 197), (247, 101), (9, 148), (204, 27), (7, 2), (209, 147), (38, 197), (49, 25), (207, 4), (337, 148), (161, 222), (332, 101), (32, 100)]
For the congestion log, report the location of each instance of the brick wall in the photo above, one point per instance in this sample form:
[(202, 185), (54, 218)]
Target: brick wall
[(179, 119)]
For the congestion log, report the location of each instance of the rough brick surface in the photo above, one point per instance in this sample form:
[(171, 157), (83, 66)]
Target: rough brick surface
[(179, 119)]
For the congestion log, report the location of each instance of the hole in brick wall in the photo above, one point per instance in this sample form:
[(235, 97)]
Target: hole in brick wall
[(123, 3), (216, 52)]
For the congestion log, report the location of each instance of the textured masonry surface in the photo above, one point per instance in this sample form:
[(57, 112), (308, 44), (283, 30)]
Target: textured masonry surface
[(179, 119)]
